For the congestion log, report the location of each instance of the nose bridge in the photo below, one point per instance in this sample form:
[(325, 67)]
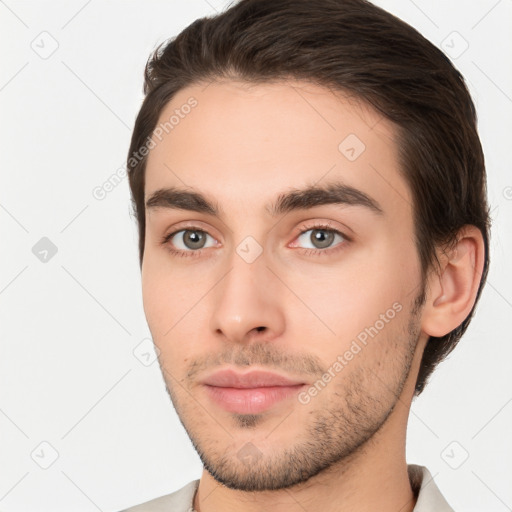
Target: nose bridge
[(245, 299)]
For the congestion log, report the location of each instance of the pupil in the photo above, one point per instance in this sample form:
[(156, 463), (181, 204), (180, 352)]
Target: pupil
[(195, 238), (320, 236)]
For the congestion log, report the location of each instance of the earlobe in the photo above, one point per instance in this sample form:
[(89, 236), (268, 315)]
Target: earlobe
[(452, 293)]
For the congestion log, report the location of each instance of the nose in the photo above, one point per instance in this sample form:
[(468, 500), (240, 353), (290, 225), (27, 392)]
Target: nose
[(247, 303)]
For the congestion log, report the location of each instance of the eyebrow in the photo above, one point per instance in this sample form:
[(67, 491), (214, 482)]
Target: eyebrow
[(297, 199)]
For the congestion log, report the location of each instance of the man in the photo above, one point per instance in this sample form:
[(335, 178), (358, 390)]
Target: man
[(314, 236)]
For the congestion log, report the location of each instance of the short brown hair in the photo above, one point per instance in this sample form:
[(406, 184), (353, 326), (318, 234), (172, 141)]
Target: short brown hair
[(355, 47)]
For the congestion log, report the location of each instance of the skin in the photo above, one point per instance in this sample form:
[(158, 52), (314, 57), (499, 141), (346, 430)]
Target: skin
[(242, 147)]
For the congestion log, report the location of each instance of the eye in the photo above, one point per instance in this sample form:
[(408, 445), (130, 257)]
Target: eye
[(188, 240), (319, 239)]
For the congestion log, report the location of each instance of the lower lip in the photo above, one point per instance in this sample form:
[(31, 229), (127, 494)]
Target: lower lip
[(251, 400)]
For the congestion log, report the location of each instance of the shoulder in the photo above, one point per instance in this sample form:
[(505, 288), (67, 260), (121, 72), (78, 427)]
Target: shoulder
[(178, 501)]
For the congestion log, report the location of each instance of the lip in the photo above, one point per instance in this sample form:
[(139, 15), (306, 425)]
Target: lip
[(252, 379), (251, 392)]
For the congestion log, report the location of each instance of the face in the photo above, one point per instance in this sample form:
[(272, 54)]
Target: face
[(287, 246)]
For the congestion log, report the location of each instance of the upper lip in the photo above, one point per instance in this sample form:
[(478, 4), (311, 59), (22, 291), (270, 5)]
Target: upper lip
[(252, 379)]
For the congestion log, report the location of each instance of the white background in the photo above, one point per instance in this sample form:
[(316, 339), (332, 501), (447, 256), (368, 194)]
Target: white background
[(69, 377)]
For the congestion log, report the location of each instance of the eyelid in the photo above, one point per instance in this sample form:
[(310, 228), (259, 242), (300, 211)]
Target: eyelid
[(326, 225), (192, 225), (305, 226)]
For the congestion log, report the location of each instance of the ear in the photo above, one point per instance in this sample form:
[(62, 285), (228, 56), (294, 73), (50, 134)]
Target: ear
[(452, 293)]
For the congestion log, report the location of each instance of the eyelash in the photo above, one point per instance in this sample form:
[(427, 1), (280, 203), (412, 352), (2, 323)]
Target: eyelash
[(316, 252)]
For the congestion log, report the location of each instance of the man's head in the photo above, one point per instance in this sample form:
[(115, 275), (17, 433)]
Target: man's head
[(323, 160)]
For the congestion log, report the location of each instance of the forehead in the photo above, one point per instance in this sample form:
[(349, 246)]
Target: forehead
[(245, 143)]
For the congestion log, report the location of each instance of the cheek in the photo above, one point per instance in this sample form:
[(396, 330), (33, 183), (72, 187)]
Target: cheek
[(342, 301), (161, 295), (173, 313)]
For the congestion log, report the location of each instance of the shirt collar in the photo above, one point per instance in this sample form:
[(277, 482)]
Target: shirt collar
[(429, 497)]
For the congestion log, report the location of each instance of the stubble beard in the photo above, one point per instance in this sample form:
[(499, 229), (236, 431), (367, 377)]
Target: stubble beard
[(334, 437)]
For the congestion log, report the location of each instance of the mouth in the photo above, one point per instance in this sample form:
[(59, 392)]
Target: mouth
[(251, 400), (252, 392)]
